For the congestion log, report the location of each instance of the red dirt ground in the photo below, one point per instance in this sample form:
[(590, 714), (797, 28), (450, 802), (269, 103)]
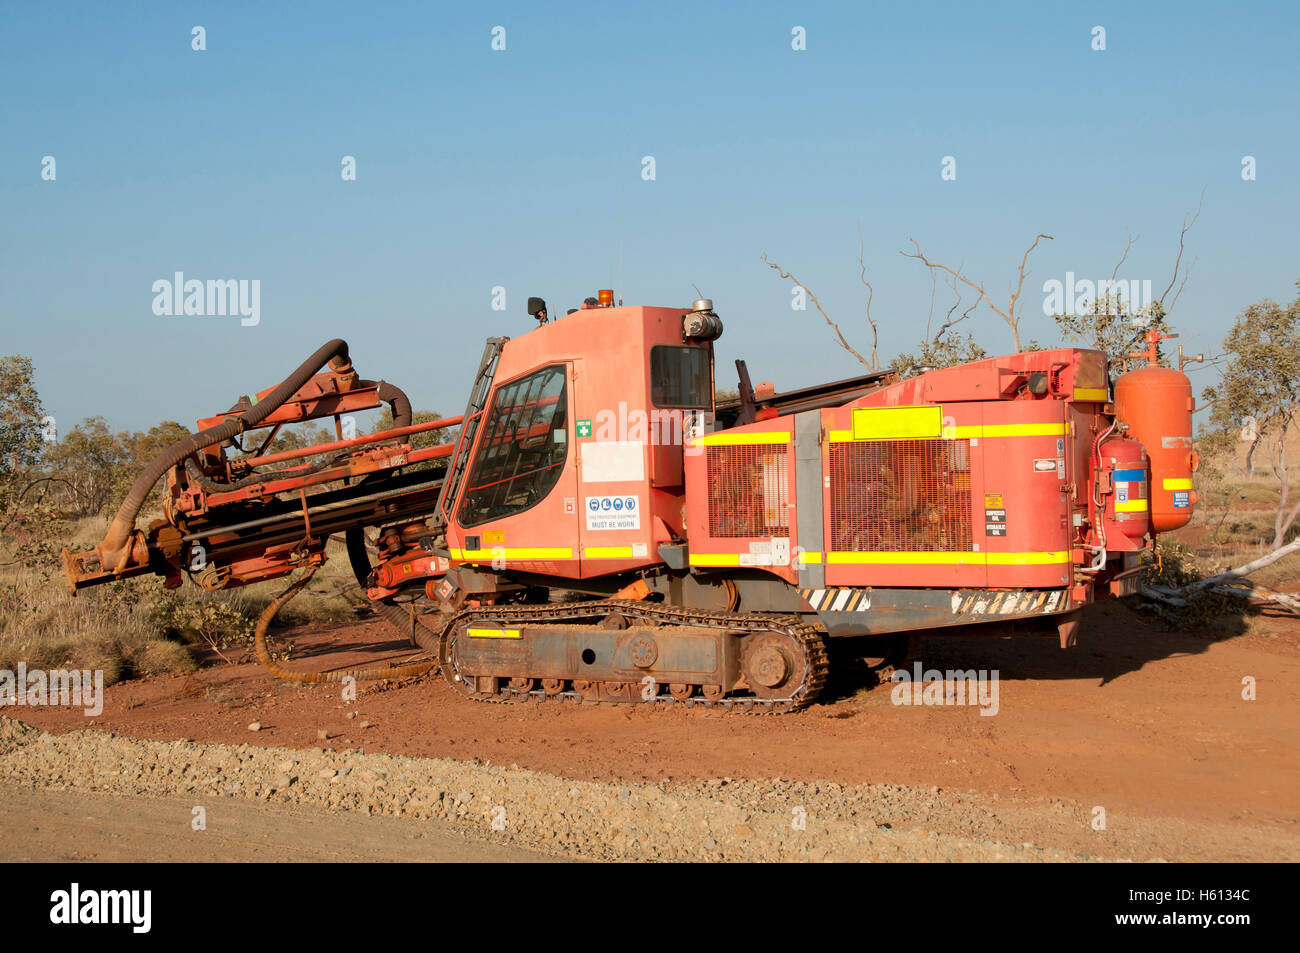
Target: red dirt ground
[(1137, 717)]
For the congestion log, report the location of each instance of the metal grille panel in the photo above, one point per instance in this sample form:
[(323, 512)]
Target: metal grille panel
[(900, 496), (749, 491)]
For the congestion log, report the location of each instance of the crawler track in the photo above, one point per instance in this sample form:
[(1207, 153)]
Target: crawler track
[(803, 641)]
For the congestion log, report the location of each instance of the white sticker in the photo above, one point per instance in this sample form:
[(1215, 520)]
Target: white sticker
[(639, 550), (615, 461), (612, 512)]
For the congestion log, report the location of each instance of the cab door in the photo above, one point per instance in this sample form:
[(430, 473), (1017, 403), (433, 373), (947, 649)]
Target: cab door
[(517, 509)]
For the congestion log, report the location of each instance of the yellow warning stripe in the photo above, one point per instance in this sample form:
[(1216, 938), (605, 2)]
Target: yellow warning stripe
[(1012, 430), (493, 633), (1131, 506), (502, 552), (1091, 393), (1177, 483), (715, 559), (949, 559), (741, 439), (979, 431), (1027, 559), (607, 552), (733, 559), (904, 558)]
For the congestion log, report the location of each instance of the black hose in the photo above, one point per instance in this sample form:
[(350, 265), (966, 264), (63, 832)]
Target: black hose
[(119, 531)]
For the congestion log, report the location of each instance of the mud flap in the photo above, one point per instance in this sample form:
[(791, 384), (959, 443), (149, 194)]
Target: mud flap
[(1067, 627)]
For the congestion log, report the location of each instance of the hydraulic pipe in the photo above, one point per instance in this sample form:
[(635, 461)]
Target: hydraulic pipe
[(115, 550), (354, 442)]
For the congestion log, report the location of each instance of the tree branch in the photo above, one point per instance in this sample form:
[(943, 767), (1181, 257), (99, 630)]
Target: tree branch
[(1182, 237), (871, 293), (834, 327), (1132, 239), (1009, 315)]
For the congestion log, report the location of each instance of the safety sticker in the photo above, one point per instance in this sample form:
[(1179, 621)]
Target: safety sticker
[(1121, 492), (613, 512), (584, 428), (995, 522), (1182, 499), (993, 499), (1045, 465)]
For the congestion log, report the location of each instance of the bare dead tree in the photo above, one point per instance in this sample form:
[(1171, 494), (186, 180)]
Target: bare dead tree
[(1132, 240), (949, 320), (871, 365), (1233, 582), (871, 293), (1008, 314), (1188, 221)]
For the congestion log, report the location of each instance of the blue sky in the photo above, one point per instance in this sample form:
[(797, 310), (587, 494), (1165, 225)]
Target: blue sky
[(522, 168)]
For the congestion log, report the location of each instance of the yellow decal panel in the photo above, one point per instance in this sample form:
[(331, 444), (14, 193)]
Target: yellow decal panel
[(897, 423)]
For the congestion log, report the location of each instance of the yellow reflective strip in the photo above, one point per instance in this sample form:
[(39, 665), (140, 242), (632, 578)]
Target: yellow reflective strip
[(897, 423), (950, 559), (607, 552), (456, 554), (1131, 506), (493, 633), (715, 559), (501, 552), (976, 432), (876, 559), (740, 439), (1023, 430), (810, 558), (1090, 393), (1177, 483), (1027, 559)]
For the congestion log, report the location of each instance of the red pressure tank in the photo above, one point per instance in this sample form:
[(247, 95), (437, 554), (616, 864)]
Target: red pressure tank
[(1157, 405), (1124, 462)]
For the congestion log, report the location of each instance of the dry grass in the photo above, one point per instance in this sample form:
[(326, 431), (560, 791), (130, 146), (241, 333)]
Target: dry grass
[(135, 627)]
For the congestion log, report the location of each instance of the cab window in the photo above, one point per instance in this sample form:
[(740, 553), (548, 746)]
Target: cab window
[(680, 377), (523, 448)]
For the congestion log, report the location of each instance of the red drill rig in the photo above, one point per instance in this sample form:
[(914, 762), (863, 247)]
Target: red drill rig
[(603, 528)]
